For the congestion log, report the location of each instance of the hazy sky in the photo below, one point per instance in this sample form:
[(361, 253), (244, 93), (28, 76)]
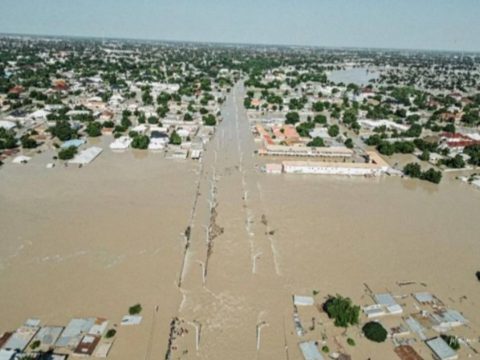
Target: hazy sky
[(413, 24)]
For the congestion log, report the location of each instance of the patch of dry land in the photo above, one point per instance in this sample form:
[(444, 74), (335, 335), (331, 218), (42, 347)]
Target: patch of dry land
[(93, 241)]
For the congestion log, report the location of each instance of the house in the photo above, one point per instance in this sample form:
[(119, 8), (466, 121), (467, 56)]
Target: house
[(122, 143), (20, 338), (7, 125), (87, 345), (73, 333), (310, 351), (47, 336), (441, 350)]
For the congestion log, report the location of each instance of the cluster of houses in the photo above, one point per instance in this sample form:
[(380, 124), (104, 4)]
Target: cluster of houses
[(419, 326), (81, 337)]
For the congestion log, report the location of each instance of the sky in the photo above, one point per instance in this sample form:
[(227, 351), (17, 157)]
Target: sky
[(404, 24)]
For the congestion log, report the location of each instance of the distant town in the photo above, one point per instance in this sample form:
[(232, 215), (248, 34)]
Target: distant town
[(202, 194)]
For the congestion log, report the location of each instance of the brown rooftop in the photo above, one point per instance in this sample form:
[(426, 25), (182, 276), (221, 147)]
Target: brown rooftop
[(406, 352)]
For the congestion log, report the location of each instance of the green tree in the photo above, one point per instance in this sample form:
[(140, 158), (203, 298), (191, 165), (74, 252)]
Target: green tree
[(413, 170), (333, 130), (320, 119), (140, 142), (342, 311), (94, 129), (292, 118), (349, 143), (175, 139), (316, 142), (209, 120), (374, 331), (135, 309), (28, 142), (63, 131), (68, 153)]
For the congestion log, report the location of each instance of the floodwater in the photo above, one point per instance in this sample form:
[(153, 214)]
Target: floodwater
[(357, 76), (93, 241)]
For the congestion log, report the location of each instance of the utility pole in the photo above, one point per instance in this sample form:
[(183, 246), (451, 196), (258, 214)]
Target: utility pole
[(260, 325)]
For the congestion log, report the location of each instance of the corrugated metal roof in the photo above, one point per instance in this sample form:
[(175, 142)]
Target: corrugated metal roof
[(310, 351), (441, 349)]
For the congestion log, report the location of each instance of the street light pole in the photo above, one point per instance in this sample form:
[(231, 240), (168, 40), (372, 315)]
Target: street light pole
[(198, 327), (202, 265), (254, 266), (259, 332)]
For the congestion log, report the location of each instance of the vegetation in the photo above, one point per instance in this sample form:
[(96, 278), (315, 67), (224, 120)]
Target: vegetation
[(110, 333), (316, 142), (452, 341), (333, 130), (94, 129), (135, 309), (350, 342), (67, 153), (140, 142), (342, 311), (415, 171), (374, 331), (175, 139)]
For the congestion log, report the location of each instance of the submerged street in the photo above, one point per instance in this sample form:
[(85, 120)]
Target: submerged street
[(232, 270)]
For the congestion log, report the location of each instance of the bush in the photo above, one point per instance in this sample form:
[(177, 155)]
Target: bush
[(135, 309), (325, 349), (351, 342), (110, 333), (342, 311), (374, 331)]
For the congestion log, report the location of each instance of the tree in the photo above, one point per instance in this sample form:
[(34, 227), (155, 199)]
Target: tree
[(28, 142), (320, 119), (425, 155), (140, 142), (432, 175), (110, 333), (187, 117), (68, 153), (374, 331), (349, 143), (456, 162), (316, 142), (175, 139), (153, 120), (317, 106), (333, 130), (342, 311), (413, 170), (386, 148), (135, 309), (94, 129), (62, 130), (292, 118), (209, 120), (471, 117), (474, 153)]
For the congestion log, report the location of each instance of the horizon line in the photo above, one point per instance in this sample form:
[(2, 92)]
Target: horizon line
[(220, 43)]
